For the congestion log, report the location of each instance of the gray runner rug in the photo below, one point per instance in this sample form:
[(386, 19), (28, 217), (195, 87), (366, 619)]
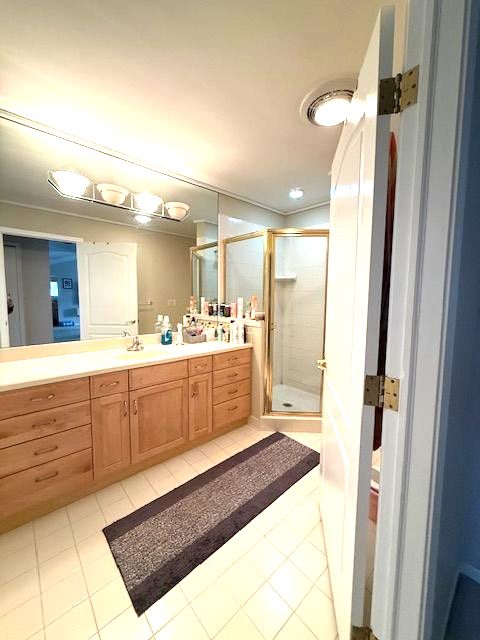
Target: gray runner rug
[(159, 544)]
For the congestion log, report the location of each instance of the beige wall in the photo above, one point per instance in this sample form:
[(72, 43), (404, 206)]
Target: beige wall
[(163, 260), (317, 218)]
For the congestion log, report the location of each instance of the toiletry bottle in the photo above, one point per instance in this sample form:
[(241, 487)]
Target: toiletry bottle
[(179, 339), (240, 308), (166, 331), (158, 326), (202, 304), (254, 307)]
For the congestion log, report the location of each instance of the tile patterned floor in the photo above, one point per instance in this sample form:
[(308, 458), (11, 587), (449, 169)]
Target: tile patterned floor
[(58, 579)]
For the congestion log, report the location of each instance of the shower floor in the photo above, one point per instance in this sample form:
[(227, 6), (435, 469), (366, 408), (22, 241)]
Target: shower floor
[(287, 398)]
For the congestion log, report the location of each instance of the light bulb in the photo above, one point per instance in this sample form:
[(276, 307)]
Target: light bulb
[(71, 183), (296, 193), (142, 219), (147, 202), (177, 210), (332, 111)]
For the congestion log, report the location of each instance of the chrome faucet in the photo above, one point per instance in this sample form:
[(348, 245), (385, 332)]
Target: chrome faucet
[(137, 344)]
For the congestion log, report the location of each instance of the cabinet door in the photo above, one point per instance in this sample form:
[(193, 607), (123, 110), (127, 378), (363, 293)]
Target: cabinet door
[(158, 418), (111, 434), (200, 405)]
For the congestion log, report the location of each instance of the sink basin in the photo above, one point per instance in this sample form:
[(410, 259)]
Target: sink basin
[(140, 355)]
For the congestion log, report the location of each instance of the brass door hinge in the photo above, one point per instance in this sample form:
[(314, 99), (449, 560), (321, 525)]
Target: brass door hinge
[(362, 633), (381, 391), (398, 93)]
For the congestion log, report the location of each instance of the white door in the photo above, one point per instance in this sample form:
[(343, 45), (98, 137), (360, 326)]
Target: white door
[(13, 276), (107, 287), (357, 215)]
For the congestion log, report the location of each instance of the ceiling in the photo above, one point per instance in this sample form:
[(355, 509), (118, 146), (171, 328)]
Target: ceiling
[(207, 89), (27, 155)]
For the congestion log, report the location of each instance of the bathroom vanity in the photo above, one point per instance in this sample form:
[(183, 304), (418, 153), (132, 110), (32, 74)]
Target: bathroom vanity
[(72, 424)]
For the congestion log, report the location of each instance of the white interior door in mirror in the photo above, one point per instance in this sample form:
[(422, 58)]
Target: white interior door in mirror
[(107, 282), (355, 266)]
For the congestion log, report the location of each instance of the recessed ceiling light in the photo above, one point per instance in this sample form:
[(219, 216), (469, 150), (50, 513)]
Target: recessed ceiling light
[(330, 108), (142, 219), (296, 193), (71, 183)]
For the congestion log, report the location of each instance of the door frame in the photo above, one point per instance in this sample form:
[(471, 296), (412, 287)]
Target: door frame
[(24, 233), (422, 299)]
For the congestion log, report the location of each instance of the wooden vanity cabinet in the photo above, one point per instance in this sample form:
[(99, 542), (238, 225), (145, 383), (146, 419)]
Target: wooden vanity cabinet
[(199, 405), (158, 419), (110, 434)]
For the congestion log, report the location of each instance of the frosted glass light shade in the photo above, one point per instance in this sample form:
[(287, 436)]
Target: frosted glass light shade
[(71, 183), (177, 210), (142, 218), (113, 193), (148, 202)]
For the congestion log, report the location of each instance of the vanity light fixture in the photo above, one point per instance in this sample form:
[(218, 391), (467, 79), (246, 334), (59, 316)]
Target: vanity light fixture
[(71, 183), (331, 108), (145, 206), (142, 218), (296, 193), (112, 193)]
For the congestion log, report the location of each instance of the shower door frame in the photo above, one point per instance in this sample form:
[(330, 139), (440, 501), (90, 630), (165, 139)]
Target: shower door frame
[(193, 255), (270, 255)]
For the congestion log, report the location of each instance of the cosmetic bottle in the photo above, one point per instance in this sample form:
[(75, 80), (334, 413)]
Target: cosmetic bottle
[(157, 327), (179, 338), (202, 304), (240, 308), (233, 310), (166, 331)]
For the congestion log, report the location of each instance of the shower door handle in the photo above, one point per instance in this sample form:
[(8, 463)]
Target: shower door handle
[(322, 365)]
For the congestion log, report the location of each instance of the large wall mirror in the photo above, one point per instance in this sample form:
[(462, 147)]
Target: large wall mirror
[(84, 267)]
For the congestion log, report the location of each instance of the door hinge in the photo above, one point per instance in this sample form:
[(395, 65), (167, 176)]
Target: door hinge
[(362, 633), (398, 93), (381, 391)]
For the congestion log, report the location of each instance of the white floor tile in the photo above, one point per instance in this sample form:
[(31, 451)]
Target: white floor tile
[(184, 626), (17, 591), (63, 596), (17, 539), (214, 608), (316, 611), (111, 494), (17, 563), (127, 626), (290, 583), (285, 537), (240, 627), (76, 624), (86, 527), (268, 611), (83, 508), (310, 560), (165, 609), (242, 580), (109, 602), (295, 630), (22, 622), (58, 567), (100, 572), (46, 525), (54, 543), (265, 557), (118, 510)]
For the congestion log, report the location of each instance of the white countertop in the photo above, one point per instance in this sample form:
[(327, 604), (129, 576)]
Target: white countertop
[(35, 371)]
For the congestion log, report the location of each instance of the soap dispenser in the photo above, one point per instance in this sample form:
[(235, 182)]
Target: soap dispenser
[(166, 331)]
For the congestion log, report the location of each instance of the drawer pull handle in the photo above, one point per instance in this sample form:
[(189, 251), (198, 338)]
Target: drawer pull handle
[(49, 476), (44, 424), (233, 392), (233, 359), (135, 407), (232, 375), (105, 385), (49, 397), (233, 408), (125, 408), (40, 452), (200, 366)]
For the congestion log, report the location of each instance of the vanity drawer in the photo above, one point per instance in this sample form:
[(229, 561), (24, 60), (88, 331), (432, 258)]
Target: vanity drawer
[(231, 391), (231, 359), (45, 396), (228, 413), (34, 453), (107, 383), (200, 365), (60, 477), (233, 374), (158, 374), (43, 423)]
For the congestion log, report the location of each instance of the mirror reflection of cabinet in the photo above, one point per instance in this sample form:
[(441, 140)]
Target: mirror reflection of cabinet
[(204, 271)]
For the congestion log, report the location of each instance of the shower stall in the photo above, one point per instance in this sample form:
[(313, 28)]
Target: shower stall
[(287, 270)]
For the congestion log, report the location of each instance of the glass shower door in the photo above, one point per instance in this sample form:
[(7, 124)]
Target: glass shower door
[(297, 320)]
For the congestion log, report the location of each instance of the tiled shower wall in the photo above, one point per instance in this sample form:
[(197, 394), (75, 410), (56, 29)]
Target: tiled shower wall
[(299, 311), (244, 262)]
